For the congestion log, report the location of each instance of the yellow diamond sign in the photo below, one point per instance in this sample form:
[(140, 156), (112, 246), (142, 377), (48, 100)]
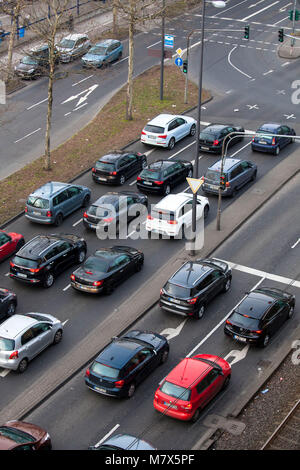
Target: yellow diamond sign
[(179, 51), (194, 184)]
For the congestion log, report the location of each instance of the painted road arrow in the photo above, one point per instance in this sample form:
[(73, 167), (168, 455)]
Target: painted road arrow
[(86, 93)]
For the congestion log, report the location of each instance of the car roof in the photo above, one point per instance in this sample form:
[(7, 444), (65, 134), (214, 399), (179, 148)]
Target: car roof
[(119, 352), (75, 36), (106, 42), (188, 371), (256, 304), (172, 201), (40, 243), (189, 273), (269, 126), (49, 189), (162, 119), (111, 157), (15, 324), (228, 164), (216, 127), (160, 165)]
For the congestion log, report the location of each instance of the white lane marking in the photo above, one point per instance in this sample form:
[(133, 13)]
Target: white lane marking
[(280, 20), (132, 183), (28, 135), (285, 7), (236, 68), (67, 114), (36, 104), (4, 372), (269, 71), (83, 80), (285, 63), (242, 148), (130, 234), (170, 333), (107, 435), (7, 274), (148, 47), (259, 11), (223, 11), (78, 222), (221, 322), (293, 246), (64, 322), (67, 287), (179, 151), (255, 4), (119, 61), (79, 107), (237, 355)]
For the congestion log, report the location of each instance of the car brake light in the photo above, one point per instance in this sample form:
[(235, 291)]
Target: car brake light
[(11, 264), (14, 355), (162, 136), (85, 215), (253, 139), (34, 270), (109, 219), (97, 283), (172, 222), (273, 141), (144, 133), (149, 217), (187, 407), (257, 331), (202, 178), (113, 173), (87, 373), (227, 184), (192, 301), (228, 322), (72, 277), (216, 142), (119, 384), (155, 396), (93, 170), (49, 214), (138, 178), (158, 182), (26, 209)]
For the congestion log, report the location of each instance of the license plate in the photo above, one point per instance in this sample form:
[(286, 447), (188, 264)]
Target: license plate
[(262, 142), (170, 406), (174, 300), (151, 136), (204, 148), (212, 186), (21, 275), (148, 183), (101, 390), (36, 213), (101, 179), (239, 338)]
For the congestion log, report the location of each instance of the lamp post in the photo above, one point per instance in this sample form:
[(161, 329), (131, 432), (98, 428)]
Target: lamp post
[(216, 4), (162, 52)]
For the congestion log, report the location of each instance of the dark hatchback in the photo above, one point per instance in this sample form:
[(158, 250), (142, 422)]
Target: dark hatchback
[(8, 303), (117, 167), (36, 63), (126, 362), (212, 137), (163, 175), (113, 207), (264, 141), (107, 268), (45, 256), (196, 283), (260, 315)]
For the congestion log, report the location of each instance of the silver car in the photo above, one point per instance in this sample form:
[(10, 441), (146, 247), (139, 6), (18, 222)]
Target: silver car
[(73, 46), (22, 337)]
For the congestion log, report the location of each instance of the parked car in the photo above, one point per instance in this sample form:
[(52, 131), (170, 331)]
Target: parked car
[(211, 137), (260, 314), (19, 435), (123, 442), (191, 385), (173, 214), (117, 167), (23, 337), (35, 63), (8, 303), (54, 201), (194, 285), (107, 268), (112, 207), (264, 141), (126, 362), (103, 53), (46, 256), (163, 175), (10, 242), (236, 173), (167, 129), (73, 46)]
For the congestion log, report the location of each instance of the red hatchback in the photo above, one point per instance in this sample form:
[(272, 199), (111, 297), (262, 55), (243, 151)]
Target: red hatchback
[(10, 243), (191, 385)]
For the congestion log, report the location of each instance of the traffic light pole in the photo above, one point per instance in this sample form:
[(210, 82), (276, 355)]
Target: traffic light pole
[(162, 53), (187, 59), (293, 30)]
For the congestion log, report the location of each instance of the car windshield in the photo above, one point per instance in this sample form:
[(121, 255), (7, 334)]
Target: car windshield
[(175, 391), (213, 175), (25, 262), (95, 263), (6, 344), (97, 50), (152, 174), (38, 202), (106, 371), (20, 437), (67, 43), (28, 61), (177, 291), (154, 129), (246, 322), (105, 166)]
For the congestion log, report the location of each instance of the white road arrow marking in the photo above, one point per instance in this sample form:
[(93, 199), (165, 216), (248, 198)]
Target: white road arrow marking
[(237, 355), (86, 93), (170, 333), (290, 116)]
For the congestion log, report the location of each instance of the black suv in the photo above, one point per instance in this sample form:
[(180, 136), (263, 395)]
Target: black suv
[(45, 256), (162, 175), (260, 315), (118, 166), (212, 137), (189, 290)]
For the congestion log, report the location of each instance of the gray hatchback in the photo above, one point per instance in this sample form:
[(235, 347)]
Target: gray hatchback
[(236, 174), (51, 203)]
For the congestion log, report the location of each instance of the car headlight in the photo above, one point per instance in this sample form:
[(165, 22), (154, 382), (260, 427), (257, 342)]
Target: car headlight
[(30, 70)]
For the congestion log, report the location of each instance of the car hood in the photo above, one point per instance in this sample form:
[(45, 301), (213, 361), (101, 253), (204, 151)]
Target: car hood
[(93, 57), (25, 67)]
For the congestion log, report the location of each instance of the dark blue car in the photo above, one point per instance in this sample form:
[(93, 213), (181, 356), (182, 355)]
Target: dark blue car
[(103, 53), (265, 141)]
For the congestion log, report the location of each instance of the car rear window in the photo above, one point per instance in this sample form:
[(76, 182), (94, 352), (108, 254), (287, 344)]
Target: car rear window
[(106, 166), (247, 322), (152, 174), (38, 202), (175, 391), (210, 136), (253, 308), (163, 215), (264, 135), (97, 264), (98, 211), (25, 262), (154, 129), (213, 175), (16, 435), (105, 371), (177, 291), (6, 344)]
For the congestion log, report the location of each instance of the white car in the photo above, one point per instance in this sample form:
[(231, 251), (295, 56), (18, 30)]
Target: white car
[(166, 129), (175, 211)]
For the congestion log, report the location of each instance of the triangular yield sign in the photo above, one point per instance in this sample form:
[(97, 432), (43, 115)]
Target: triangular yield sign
[(194, 184)]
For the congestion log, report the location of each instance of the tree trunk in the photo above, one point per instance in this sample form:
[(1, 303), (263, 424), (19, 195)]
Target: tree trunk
[(47, 163), (129, 97), (11, 43), (115, 18)]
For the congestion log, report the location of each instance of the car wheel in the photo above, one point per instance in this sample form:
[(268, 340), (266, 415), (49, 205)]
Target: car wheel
[(81, 256), (164, 356), (277, 150), (22, 366), (200, 312), (254, 176), (144, 164), (11, 309), (122, 179), (265, 340), (49, 280), (58, 337), (167, 190), (109, 289), (226, 382), (131, 391), (190, 174), (171, 143), (206, 211), (291, 312), (58, 220), (86, 200), (139, 265), (227, 284), (234, 191), (193, 130), (195, 416), (293, 140), (120, 55)]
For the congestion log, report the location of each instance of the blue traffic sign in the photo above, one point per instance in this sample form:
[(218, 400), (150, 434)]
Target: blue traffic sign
[(178, 61), (169, 41)]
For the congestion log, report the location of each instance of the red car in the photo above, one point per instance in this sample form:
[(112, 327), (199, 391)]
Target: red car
[(191, 385), (18, 435), (10, 243)]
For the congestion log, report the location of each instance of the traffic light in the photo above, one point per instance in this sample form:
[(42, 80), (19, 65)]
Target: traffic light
[(280, 35), (223, 181), (291, 14), (297, 15), (185, 66), (247, 32)]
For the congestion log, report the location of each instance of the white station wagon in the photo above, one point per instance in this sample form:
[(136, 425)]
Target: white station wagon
[(167, 129)]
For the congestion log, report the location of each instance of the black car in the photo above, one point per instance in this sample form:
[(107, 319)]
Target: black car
[(126, 362), (123, 208), (117, 167), (212, 137), (190, 289), (8, 303), (45, 256), (260, 315), (106, 268), (163, 175), (35, 64), (265, 140)]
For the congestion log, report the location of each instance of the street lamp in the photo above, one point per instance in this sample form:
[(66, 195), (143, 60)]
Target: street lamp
[(216, 4)]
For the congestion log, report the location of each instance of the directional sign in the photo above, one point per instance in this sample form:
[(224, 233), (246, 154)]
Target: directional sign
[(178, 61), (169, 41), (194, 184), (86, 93)]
